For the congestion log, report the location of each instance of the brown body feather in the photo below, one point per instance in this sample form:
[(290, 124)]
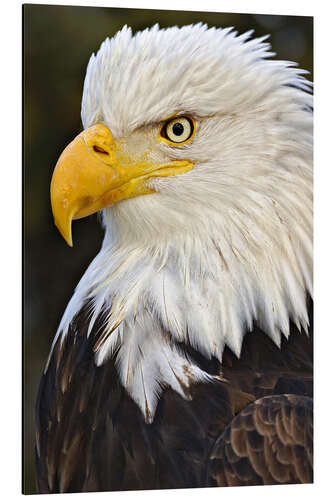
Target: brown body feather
[(241, 429), (269, 442)]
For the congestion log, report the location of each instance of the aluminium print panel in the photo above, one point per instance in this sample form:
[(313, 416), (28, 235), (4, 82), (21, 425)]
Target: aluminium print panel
[(167, 342)]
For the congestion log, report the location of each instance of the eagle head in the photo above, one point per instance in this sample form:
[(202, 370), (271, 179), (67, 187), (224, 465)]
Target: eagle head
[(197, 147)]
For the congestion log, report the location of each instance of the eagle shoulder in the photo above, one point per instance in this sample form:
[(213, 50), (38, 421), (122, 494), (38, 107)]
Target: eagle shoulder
[(91, 435), (269, 442)]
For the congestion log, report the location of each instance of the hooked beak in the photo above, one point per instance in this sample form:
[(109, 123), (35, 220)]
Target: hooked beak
[(91, 174)]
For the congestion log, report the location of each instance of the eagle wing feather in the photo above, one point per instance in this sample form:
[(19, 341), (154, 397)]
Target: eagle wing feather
[(269, 442)]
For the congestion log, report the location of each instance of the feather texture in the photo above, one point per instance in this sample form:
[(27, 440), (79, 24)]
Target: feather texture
[(224, 245), (91, 436), (269, 442)]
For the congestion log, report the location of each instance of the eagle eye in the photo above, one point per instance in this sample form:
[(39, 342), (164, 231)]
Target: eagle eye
[(178, 130)]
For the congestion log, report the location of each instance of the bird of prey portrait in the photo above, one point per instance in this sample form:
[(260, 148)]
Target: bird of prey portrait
[(184, 357)]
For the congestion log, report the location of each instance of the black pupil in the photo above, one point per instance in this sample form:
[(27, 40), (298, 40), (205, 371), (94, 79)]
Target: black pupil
[(178, 128)]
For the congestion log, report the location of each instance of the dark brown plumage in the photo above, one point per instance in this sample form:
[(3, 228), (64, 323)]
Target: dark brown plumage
[(269, 442), (241, 429)]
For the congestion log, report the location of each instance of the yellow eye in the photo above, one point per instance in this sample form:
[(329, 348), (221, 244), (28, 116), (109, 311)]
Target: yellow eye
[(178, 130)]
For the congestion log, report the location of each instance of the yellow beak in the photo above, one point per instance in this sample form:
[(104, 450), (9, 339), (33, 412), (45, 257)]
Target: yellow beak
[(92, 174)]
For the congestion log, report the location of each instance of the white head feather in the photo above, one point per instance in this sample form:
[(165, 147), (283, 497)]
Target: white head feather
[(222, 245)]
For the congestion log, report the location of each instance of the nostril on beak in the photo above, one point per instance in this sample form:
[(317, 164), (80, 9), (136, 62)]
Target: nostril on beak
[(98, 149)]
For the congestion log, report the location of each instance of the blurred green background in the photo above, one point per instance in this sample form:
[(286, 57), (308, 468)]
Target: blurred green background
[(58, 41)]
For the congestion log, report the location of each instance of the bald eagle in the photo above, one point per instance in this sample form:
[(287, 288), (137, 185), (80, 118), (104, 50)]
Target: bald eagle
[(184, 357)]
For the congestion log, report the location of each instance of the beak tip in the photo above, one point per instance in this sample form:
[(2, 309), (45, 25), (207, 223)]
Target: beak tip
[(66, 233), (68, 239)]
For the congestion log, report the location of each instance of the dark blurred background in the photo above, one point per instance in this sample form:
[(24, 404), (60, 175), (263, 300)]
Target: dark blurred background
[(58, 41)]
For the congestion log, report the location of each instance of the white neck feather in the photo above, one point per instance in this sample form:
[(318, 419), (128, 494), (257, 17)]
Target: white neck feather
[(204, 289)]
